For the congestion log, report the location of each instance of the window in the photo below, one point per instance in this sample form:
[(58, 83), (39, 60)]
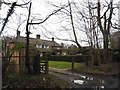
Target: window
[(46, 46), (38, 46), (41, 46)]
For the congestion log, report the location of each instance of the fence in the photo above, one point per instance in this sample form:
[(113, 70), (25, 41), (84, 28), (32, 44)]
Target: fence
[(17, 62)]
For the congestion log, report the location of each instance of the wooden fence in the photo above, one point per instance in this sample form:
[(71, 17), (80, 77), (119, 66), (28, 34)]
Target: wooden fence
[(17, 62)]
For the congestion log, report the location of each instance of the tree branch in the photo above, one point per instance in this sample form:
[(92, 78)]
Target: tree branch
[(10, 12), (7, 3), (8, 15), (47, 17), (110, 16)]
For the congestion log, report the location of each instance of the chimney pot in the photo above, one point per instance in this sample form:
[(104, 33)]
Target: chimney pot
[(18, 33), (38, 36), (52, 38)]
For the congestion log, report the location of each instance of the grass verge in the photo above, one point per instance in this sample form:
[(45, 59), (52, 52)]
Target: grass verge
[(62, 64), (18, 81), (112, 69)]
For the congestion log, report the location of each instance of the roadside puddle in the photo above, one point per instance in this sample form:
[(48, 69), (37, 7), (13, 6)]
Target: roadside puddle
[(93, 82), (78, 82)]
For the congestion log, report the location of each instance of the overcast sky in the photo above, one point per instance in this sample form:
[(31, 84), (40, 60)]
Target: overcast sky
[(40, 9)]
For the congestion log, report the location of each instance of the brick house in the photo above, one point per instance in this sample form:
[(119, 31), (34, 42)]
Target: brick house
[(44, 46), (17, 61)]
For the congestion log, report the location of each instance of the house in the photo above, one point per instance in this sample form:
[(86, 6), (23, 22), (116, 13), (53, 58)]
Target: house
[(115, 40), (44, 46), (72, 49)]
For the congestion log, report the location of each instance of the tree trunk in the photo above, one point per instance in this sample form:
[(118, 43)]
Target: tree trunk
[(27, 61), (73, 28), (105, 43)]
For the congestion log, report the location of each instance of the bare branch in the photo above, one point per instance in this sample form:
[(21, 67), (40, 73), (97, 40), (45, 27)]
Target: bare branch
[(7, 3), (47, 17), (8, 15), (10, 12)]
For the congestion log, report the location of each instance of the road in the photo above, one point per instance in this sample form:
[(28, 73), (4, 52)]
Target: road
[(77, 80), (0, 70)]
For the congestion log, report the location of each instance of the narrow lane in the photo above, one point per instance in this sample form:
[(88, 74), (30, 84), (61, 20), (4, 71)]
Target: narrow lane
[(77, 80)]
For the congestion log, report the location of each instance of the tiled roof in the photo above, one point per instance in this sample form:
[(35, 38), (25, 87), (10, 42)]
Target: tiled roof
[(36, 41)]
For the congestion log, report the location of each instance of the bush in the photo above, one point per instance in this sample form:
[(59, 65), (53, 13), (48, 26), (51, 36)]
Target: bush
[(116, 56)]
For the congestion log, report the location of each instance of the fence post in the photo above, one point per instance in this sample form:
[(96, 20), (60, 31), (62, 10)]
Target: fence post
[(46, 63), (72, 67), (20, 61)]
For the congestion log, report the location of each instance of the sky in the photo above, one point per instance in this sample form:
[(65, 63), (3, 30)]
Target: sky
[(40, 9)]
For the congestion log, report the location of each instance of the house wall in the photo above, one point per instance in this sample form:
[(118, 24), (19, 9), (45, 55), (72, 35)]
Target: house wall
[(17, 61), (14, 62)]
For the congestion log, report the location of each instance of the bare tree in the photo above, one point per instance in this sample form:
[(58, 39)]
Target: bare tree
[(93, 23), (105, 26), (28, 25), (73, 28), (87, 19), (28, 32)]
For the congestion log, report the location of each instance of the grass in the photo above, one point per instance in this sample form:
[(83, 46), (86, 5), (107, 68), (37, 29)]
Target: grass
[(103, 69), (62, 64), (81, 68)]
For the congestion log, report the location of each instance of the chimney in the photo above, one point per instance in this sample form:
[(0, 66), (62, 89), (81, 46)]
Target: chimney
[(62, 44), (38, 36), (52, 38), (18, 33)]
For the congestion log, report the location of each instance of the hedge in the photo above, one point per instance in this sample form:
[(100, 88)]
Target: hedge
[(68, 58)]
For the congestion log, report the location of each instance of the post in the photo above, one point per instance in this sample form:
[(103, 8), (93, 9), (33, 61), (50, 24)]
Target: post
[(20, 65), (72, 67), (46, 63)]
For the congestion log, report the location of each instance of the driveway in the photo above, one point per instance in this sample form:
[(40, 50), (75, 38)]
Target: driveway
[(77, 80)]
